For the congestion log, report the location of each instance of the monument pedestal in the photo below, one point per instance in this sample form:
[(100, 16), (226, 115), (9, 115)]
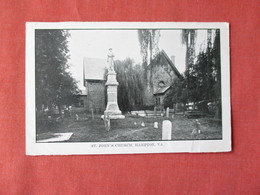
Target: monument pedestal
[(112, 109)]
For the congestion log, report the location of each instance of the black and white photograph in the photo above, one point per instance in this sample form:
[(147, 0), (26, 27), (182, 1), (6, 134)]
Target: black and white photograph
[(127, 87)]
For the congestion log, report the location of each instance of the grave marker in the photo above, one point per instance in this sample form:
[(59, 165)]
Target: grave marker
[(92, 113), (166, 130), (155, 112), (167, 112)]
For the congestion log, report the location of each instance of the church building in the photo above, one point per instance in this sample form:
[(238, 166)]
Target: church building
[(94, 82), (161, 73)]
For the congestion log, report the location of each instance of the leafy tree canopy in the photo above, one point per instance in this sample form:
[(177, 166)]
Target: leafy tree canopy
[(201, 80), (131, 85), (54, 84), (148, 39)]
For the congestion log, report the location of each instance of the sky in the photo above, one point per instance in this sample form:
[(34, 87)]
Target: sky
[(125, 44)]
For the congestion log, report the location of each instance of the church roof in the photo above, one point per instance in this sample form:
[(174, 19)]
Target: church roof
[(94, 68), (162, 90), (170, 62)]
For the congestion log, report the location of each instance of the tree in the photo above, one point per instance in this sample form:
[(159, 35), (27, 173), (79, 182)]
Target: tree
[(217, 72), (188, 37), (130, 88), (205, 74), (54, 84), (216, 64), (148, 39), (201, 81)]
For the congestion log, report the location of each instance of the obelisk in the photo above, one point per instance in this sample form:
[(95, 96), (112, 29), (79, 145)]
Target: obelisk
[(112, 109)]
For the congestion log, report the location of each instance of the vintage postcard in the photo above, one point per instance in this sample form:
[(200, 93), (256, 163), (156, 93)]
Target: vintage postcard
[(127, 87)]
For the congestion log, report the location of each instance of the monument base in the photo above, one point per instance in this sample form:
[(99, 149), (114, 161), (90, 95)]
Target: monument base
[(111, 117), (112, 109)]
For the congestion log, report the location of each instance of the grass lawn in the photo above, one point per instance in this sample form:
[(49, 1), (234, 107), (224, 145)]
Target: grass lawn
[(125, 129)]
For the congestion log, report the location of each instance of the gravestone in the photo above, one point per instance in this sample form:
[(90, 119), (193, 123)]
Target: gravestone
[(92, 113), (167, 112), (166, 130), (155, 125), (155, 112)]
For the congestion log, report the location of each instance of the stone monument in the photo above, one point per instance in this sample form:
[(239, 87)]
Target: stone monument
[(112, 109)]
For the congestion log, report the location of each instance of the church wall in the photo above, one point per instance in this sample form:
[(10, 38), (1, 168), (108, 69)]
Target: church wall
[(96, 96), (160, 71)]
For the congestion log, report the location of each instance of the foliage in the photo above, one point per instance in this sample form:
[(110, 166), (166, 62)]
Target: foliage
[(148, 40), (206, 71), (188, 37), (130, 88), (201, 81), (178, 93), (54, 84)]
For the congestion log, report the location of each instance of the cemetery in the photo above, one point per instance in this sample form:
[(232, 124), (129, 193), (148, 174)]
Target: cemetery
[(142, 125), (126, 102), (130, 129)]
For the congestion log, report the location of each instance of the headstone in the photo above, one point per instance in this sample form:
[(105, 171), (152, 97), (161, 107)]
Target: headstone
[(155, 112), (135, 123), (155, 125), (77, 117), (92, 113), (167, 112), (166, 130), (70, 107), (142, 124)]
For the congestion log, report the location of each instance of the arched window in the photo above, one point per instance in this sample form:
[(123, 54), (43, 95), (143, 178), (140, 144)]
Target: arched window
[(161, 83)]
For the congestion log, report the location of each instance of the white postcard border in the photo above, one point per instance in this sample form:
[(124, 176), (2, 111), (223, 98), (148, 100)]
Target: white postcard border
[(193, 146)]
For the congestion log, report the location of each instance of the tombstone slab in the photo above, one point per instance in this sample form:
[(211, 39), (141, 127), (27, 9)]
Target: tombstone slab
[(155, 125), (167, 112), (166, 130)]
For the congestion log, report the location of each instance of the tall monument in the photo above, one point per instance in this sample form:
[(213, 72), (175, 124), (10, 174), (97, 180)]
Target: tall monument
[(112, 109)]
